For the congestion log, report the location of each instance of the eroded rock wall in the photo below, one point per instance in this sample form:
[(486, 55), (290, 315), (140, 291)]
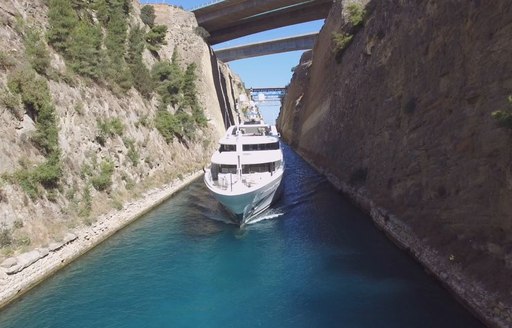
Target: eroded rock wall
[(401, 122)]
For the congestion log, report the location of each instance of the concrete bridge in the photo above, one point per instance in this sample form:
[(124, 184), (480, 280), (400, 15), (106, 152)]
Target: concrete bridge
[(227, 20), (300, 42)]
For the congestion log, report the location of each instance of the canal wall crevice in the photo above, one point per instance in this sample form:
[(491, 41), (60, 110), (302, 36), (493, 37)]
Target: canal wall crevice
[(396, 113)]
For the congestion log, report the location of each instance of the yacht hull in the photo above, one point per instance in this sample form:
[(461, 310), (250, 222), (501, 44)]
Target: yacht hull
[(245, 205)]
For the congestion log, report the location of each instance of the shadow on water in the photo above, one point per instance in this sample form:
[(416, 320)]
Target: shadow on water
[(311, 260)]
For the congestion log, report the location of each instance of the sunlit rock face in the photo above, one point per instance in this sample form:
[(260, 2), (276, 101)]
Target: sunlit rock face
[(402, 119)]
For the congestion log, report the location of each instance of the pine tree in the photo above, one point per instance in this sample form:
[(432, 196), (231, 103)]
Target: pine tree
[(141, 76), (62, 20), (85, 51), (147, 15)]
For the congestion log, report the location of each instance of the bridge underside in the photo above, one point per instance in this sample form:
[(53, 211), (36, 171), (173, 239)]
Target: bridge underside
[(302, 42), (229, 20)]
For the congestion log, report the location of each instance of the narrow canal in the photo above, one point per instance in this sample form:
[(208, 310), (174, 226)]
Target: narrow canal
[(316, 261)]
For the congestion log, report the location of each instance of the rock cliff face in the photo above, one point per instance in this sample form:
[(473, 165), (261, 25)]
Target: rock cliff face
[(400, 120), (141, 157)]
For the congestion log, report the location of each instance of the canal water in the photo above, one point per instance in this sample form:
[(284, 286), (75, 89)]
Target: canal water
[(312, 261)]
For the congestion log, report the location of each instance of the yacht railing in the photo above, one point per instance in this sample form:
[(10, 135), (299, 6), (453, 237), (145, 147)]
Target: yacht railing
[(228, 181)]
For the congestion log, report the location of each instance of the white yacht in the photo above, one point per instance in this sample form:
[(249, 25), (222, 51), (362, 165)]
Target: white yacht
[(246, 171)]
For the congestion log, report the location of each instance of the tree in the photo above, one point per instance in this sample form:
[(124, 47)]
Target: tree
[(141, 76), (166, 124), (147, 15), (168, 77), (189, 85), (155, 38), (36, 51), (62, 20), (85, 51), (190, 95)]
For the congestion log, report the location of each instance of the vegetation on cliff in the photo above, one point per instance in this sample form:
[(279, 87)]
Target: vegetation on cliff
[(115, 57), (177, 88), (340, 42), (355, 15), (504, 117), (109, 52), (37, 102)]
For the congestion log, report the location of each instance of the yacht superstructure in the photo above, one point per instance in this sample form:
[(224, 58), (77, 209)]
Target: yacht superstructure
[(246, 171)]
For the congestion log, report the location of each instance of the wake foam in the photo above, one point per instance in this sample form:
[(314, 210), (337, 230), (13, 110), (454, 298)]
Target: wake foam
[(266, 215)]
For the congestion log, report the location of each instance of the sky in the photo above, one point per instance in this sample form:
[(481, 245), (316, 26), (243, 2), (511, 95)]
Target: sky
[(265, 71)]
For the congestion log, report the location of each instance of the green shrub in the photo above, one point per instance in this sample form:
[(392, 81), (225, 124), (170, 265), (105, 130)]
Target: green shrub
[(84, 50), (85, 209), (178, 89), (62, 20), (23, 240), (169, 79), (356, 14), (186, 127), (89, 50), (12, 102), (190, 95), (167, 125), (36, 51), (147, 15), (33, 90), (71, 192), (36, 98), (46, 174), (105, 9), (5, 237), (79, 108), (109, 128), (143, 121), (142, 80), (6, 61), (133, 154), (115, 19), (26, 180), (46, 136), (340, 42), (122, 77), (155, 38), (86, 171), (18, 224), (130, 184), (103, 180), (504, 117), (117, 204)]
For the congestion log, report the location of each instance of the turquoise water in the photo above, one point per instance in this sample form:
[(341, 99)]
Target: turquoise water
[(315, 261)]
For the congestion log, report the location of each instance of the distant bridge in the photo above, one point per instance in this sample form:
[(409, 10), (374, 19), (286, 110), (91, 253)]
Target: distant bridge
[(227, 20), (301, 42), (270, 94)]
